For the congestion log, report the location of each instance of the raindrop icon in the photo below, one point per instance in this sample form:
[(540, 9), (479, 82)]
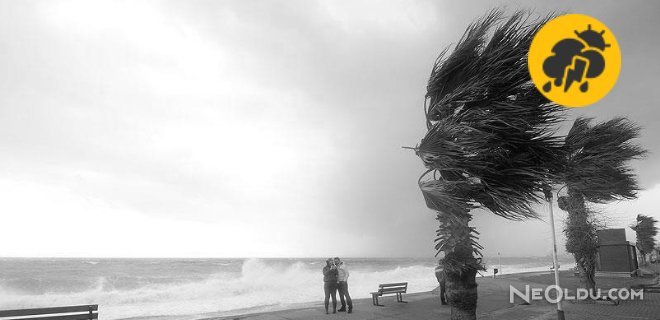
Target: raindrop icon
[(547, 86), (558, 82), (585, 86)]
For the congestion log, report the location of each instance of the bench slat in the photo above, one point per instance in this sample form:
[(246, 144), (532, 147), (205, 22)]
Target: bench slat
[(388, 291), (80, 316), (390, 287), (393, 284), (31, 312)]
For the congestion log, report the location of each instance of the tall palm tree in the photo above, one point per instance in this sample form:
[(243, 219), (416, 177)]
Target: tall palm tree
[(596, 170), (489, 143)]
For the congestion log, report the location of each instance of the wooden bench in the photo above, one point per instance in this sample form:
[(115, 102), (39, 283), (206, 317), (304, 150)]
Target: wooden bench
[(390, 288), (86, 312)]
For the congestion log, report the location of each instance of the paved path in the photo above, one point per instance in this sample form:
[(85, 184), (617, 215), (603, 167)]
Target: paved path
[(649, 308), (493, 304), (493, 301)]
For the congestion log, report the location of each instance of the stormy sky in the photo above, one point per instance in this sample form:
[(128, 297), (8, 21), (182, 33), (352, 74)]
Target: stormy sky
[(254, 128)]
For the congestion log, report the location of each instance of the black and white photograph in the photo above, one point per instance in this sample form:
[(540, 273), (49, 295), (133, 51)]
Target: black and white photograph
[(329, 159)]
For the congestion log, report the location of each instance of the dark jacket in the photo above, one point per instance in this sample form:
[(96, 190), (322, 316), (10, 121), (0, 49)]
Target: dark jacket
[(329, 274), (440, 274)]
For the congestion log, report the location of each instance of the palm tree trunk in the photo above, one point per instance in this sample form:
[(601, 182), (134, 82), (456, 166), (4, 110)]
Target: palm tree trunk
[(462, 295), (581, 237), (587, 272), (643, 256), (459, 262)]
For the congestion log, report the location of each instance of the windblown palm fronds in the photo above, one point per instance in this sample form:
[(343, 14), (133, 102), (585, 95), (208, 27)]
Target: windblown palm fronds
[(489, 130), (597, 159)]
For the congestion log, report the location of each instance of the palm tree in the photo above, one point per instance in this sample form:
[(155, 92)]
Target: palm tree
[(595, 170), (489, 143), (646, 230)]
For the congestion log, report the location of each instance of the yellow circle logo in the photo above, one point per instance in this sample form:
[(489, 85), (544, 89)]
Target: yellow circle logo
[(574, 60)]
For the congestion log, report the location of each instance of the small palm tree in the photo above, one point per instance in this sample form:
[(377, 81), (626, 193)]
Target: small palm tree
[(646, 229), (489, 143), (595, 170)]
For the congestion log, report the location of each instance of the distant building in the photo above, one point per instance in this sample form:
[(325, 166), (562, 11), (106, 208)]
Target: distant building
[(617, 251)]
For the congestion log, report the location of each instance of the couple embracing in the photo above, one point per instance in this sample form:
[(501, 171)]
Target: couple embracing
[(335, 277)]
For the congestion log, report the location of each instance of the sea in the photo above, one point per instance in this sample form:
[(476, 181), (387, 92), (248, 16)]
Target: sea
[(183, 289)]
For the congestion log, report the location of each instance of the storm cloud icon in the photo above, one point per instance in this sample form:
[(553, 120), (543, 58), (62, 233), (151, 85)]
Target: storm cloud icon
[(576, 60)]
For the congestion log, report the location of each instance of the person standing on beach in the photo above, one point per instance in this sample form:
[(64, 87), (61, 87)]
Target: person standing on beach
[(330, 284), (440, 275), (342, 278)]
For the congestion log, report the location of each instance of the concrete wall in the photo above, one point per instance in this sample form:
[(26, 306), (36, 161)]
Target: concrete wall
[(617, 236), (616, 250), (615, 258)]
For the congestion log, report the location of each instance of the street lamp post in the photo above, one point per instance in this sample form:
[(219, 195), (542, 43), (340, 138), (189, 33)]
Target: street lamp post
[(560, 309)]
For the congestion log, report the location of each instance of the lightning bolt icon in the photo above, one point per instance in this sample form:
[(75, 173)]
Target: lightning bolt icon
[(576, 72)]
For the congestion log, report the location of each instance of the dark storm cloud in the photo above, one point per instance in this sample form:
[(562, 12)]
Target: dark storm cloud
[(284, 115)]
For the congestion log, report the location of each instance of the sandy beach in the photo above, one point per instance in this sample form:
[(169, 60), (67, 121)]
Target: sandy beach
[(493, 303)]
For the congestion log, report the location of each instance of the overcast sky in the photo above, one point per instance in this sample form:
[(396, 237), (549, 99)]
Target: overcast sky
[(253, 128)]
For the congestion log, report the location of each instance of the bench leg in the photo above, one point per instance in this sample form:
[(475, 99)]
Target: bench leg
[(399, 298), (374, 299)]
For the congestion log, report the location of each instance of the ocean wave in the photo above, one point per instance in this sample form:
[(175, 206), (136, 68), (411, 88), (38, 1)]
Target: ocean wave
[(260, 283), (224, 264)]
